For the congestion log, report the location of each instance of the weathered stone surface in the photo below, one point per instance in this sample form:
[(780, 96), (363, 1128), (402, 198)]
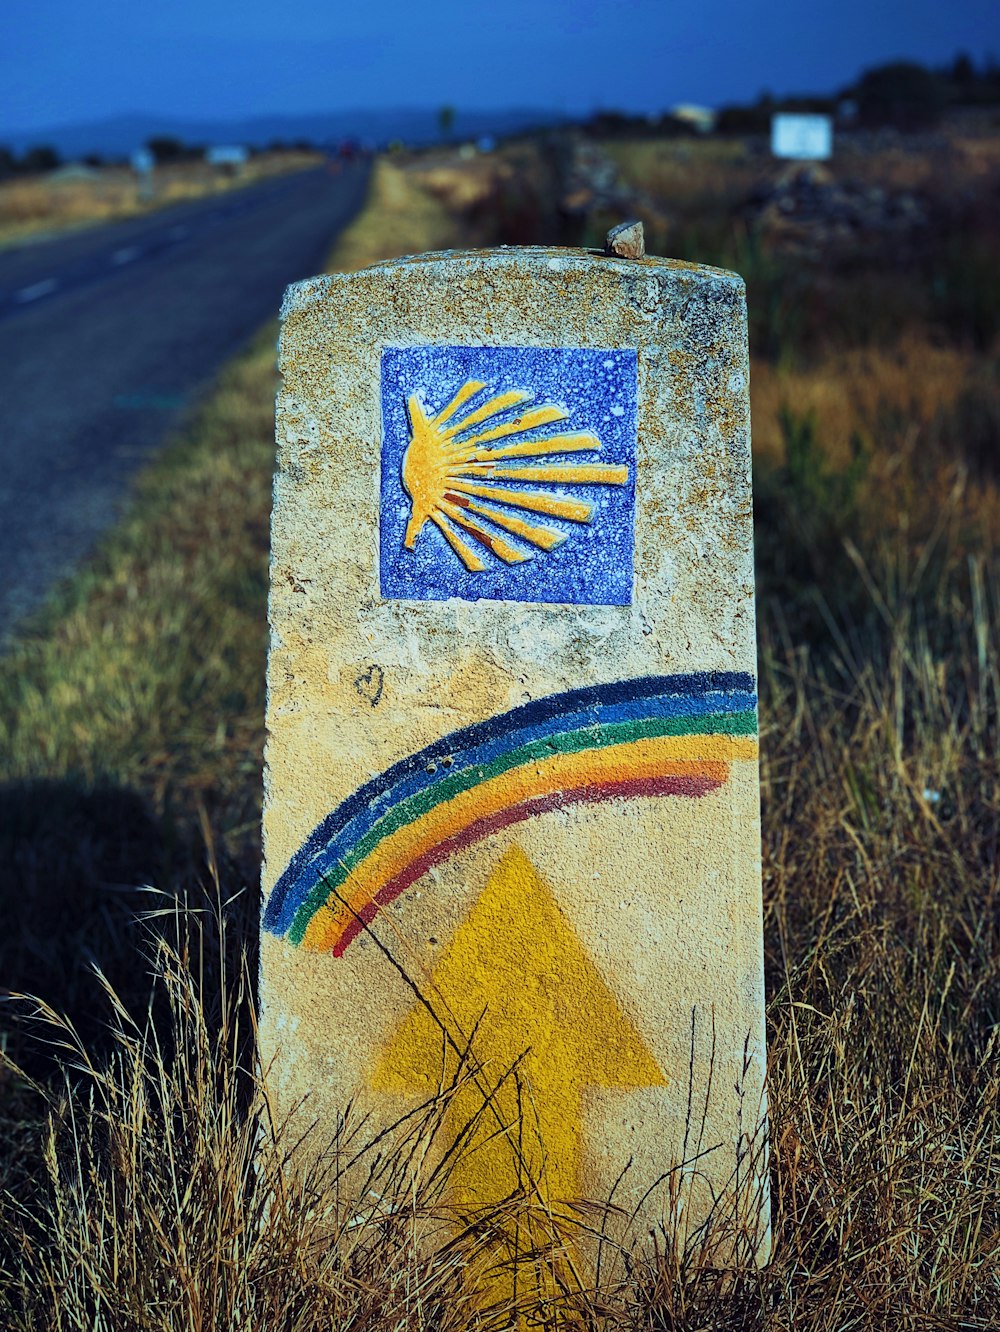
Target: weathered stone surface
[(512, 717)]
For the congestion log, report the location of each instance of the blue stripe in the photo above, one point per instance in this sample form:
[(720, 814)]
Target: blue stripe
[(654, 696)]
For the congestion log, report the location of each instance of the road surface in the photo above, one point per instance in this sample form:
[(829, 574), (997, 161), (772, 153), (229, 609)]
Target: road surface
[(107, 336)]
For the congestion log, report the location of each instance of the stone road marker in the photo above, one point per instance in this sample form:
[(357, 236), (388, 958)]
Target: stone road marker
[(512, 724)]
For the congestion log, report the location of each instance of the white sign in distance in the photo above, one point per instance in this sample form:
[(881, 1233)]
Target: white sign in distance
[(802, 138), (229, 155), (142, 161)]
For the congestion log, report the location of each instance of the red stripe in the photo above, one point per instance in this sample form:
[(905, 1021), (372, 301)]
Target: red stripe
[(595, 793)]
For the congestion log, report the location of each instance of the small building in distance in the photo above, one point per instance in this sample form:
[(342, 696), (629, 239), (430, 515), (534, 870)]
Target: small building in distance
[(699, 118), (228, 157)]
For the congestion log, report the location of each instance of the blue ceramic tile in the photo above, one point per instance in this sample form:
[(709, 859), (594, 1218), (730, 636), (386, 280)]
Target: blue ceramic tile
[(508, 473)]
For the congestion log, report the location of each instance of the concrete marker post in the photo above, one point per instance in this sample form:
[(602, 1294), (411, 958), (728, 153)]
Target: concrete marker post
[(512, 739)]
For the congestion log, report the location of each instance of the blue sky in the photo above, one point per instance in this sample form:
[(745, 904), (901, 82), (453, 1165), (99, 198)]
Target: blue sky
[(72, 60)]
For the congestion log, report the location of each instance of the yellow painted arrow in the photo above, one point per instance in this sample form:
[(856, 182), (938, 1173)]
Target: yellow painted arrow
[(516, 979)]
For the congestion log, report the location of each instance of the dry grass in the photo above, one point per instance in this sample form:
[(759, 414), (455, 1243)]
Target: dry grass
[(45, 205), (148, 1189), (696, 176), (170, 1199), (400, 218), (882, 875)]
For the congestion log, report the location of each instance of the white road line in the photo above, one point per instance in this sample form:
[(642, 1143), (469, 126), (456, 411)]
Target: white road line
[(36, 290), (126, 255)]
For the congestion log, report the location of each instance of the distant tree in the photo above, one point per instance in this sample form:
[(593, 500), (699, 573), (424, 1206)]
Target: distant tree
[(93, 160), (744, 119), (963, 72), (8, 162), (989, 84), (903, 94), (37, 160), (611, 124), (970, 86), (608, 123), (446, 121), (807, 104), (166, 148)]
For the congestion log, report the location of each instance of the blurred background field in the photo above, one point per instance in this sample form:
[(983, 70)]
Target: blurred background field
[(131, 730), (44, 203)]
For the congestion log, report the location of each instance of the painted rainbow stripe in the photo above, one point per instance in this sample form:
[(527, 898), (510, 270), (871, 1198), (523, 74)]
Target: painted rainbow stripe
[(659, 735)]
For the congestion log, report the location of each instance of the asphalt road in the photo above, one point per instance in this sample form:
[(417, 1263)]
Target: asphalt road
[(107, 337)]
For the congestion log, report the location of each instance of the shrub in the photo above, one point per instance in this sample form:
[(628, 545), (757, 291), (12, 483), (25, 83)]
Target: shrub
[(905, 95)]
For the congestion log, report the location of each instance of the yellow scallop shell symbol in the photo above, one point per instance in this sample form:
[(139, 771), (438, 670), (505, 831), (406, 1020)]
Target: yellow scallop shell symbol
[(456, 471)]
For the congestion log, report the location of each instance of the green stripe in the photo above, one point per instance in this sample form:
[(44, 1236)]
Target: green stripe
[(569, 742)]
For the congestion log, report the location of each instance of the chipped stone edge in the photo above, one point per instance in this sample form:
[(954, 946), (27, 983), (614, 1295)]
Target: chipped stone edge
[(308, 291)]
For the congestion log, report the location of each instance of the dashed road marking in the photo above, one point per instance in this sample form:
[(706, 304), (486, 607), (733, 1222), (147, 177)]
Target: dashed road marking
[(36, 290), (158, 402), (126, 255)]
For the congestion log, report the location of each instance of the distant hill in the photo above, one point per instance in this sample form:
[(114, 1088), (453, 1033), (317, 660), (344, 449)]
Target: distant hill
[(119, 135)]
